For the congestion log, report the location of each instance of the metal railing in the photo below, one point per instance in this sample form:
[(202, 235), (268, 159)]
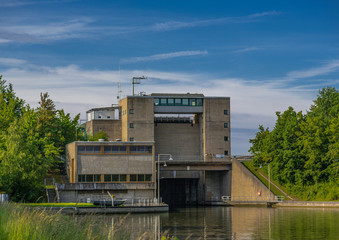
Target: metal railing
[(191, 158), (253, 198), (141, 202)]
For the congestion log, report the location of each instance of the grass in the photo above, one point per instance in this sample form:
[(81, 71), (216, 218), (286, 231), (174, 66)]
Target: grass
[(17, 221), (58, 204), (255, 171)]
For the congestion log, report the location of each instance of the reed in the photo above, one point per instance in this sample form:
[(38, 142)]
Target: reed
[(20, 222)]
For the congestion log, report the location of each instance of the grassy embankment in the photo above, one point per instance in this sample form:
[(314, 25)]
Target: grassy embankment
[(21, 222), (256, 171)]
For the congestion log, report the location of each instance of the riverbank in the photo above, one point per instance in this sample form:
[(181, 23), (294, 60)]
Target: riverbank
[(300, 204)]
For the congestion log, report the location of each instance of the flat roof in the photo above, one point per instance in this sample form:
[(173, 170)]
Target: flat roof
[(102, 109)]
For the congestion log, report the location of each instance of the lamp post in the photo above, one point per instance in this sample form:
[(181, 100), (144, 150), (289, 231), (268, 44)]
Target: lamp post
[(170, 158)]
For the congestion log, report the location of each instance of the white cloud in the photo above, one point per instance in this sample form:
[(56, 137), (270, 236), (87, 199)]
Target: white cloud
[(11, 62), (331, 66), (163, 56), (249, 49), (77, 90)]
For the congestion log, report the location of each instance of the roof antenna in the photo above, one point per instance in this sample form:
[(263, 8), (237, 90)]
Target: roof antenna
[(119, 87), (136, 80)]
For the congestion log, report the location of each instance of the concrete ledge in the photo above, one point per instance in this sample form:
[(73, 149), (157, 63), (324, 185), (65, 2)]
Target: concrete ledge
[(110, 210), (307, 204)]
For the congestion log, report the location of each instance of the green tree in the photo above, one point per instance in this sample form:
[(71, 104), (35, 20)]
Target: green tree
[(99, 135)]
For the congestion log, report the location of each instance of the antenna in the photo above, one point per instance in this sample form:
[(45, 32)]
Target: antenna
[(136, 80), (119, 87)]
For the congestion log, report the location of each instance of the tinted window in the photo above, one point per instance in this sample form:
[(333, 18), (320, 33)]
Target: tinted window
[(133, 177), (96, 149), (123, 149), (115, 149), (97, 178), (141, 149), (163, 101), (89, 149), (156, 101), (184, 101), (89, 178), (148, 177), (199, 102), (149, 149), (177, 101), (141, 177), (123, 178), (107, 177), (133, 149), (115, 177), (81, 149), (170, 101), (107, 149)]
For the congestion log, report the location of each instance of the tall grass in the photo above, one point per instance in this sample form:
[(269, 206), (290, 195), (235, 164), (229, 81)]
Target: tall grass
[(18, 222)]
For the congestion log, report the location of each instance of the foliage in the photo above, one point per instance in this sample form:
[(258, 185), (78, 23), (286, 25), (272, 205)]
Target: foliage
[(303, 149), (99, 135), (31, 143)]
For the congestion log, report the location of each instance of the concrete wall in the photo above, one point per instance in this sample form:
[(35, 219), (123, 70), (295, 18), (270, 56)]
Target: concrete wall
[(213, 127), (71, 154), (217, 185), (119, 164), (142, 118), (245, 184), (178, 139), (111, 127)]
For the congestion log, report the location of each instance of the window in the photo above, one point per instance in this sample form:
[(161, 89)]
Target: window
[(131, 111), (225, 112), (132, 149), (97, 178), (89, 149), (122, 149), (115, 178), (177, 101), (89, 178), (108, 116), (141, 177), (99, 117), (81, 178), (185, 101), (148, 177), (131, 139), (133, 178), (107, 178), (170, 101), (199, 102), (149, 149), (226, 153), (140, 149), (107, 149), (131, 125), (192, 102), (225, 138), (123, 177), (156, 101), (81, 149), (225, 125), (163, 101), (96, 149)]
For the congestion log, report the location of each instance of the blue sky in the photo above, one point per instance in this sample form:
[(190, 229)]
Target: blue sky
[(265, 55)]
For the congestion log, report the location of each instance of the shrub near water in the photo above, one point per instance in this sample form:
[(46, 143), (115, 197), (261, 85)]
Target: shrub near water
[(17, 222)]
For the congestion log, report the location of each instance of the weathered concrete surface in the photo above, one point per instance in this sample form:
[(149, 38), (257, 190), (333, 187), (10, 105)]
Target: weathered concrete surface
[(307, 204), (245, 184)]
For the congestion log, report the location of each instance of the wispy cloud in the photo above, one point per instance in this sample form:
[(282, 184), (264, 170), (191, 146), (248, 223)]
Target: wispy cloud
[(163, 56), (19, 3), (11, 62), (329, 67), (174, 25), (249, 49)]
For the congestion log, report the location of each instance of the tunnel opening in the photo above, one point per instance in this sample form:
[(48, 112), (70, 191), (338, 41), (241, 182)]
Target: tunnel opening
[(179, 192)]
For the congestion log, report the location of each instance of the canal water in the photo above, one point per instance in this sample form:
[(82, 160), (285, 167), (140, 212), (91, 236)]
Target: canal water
[(236, 223)]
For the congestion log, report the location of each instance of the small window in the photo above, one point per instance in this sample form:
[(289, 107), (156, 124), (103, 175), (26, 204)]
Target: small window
[(115, 149), (225, 138), (131, 139), (89, 149), (226, 153), (131, 125), (141, 177), (225, 125), (225, 112), (163, 101), (99, 117), (170, 101), (133, 178), (108, 116), (149, 149), (107, 149), (81, 178), (89, 178), (107, 178), (148, 177), (185, 101), (97, 178), (199, 102), (123, 148), (81, 149), (132, 149), (177, 101), (131, 111), (140, 149), (193, 102), (156, 101), (115, 177), (96, 149), (123, 177)]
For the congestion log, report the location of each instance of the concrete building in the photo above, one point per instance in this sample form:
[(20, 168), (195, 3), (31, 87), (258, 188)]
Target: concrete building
[(188, 142)]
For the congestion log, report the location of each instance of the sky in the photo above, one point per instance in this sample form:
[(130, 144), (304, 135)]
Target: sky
[(264, 55)]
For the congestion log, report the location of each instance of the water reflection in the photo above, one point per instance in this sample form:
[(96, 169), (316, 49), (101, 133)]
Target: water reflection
[(234, 223)]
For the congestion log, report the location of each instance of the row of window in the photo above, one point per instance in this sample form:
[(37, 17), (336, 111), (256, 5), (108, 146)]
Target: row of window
[(114, 149), (114, 178), (178, 101)]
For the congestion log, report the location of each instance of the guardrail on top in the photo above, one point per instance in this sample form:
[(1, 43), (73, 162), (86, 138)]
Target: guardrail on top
[(253, 198)]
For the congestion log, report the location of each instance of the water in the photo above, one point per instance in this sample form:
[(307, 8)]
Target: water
[(237, 223)]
